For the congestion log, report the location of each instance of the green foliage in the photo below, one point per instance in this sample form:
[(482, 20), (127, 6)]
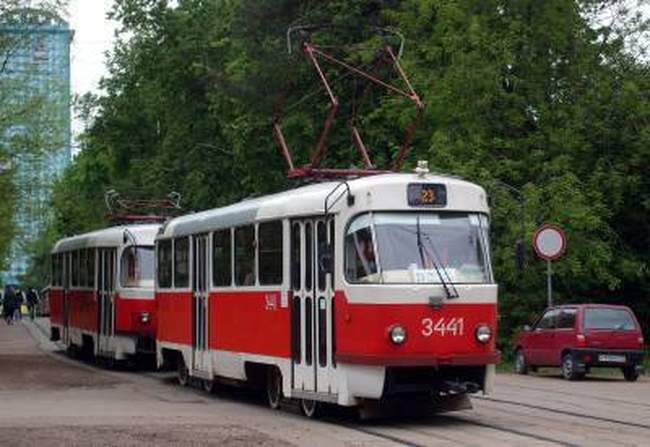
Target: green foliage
[(537, 101)]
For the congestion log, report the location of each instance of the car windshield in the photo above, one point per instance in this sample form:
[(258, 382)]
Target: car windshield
[(609, 319), (136, 269), (424, 247)]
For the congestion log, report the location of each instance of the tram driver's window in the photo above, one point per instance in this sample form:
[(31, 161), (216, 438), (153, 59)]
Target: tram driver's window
[(165, 263), (245, 256), (270, 252), (182, 262), (360, 259)]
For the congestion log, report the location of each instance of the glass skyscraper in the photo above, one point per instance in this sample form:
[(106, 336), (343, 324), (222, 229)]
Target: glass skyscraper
[(38, 71)]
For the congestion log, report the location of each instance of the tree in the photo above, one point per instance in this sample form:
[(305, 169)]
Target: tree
[(537, 101)]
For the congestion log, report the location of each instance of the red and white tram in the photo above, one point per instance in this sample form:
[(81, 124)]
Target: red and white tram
[(102, 292), (386, 292)]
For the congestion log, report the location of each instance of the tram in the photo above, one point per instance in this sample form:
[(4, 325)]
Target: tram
[(341, 292), (102, 292)]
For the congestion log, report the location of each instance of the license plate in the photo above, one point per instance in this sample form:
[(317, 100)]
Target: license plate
[(611, 358)]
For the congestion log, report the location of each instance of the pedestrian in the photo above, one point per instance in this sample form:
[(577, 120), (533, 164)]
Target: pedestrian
[(18, 304), (8, 304), (32, 302)]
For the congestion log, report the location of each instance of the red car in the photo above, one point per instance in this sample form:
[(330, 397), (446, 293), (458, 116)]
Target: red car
[(578, 337)]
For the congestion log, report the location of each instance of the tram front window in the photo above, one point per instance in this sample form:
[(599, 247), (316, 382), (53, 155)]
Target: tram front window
[(136, 269), (408, 248)]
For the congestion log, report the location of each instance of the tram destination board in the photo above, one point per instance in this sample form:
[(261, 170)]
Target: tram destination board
[(427, 194)]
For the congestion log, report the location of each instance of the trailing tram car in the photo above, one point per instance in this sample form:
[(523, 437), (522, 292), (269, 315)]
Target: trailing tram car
[(102, 293), (346, 292)]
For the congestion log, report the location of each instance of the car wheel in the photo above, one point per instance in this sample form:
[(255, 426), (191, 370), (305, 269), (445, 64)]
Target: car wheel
[(569, 368), (630, 373), (521, 365), (274, 388)]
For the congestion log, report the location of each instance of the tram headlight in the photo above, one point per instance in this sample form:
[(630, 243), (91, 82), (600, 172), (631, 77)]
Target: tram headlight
[(483, 333), (145, 317), (397, 334)]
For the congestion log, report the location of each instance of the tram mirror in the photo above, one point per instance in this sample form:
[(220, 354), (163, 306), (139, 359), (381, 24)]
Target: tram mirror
[(526, 328), (325, 258)]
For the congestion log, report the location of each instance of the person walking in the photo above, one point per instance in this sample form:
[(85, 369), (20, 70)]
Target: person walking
[(32, 302), (8, 304), (18, 304)]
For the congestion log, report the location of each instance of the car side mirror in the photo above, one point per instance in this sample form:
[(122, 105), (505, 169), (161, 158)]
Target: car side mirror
[(325, 261), (526, 328)]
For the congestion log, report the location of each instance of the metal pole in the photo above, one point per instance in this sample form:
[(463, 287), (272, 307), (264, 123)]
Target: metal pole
[(549, 282)]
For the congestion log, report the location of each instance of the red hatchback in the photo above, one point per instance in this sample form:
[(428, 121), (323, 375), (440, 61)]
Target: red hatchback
[(577, 337)]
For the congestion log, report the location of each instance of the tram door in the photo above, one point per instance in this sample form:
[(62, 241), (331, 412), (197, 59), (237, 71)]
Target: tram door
[(106, 296), (200, 291), (312, 307), (65, 337)]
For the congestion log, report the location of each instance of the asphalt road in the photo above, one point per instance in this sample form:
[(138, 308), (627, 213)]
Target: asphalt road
[(48, 399)]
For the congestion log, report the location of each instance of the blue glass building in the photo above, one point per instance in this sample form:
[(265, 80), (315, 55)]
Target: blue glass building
[(38, 75)]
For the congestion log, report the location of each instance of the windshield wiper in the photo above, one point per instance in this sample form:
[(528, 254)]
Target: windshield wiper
[(450, 290)]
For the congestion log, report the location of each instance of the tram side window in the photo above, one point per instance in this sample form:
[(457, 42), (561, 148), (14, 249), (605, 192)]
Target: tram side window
[(221, 258), (360, 262), (90, 267), (181, 262), (55, 262), (74, 277), (245, 256), (295, 256), (83, 268), (165, 264), (270, 252)]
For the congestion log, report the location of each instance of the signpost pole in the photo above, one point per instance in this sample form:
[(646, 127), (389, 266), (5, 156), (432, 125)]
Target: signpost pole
[(549, 282)]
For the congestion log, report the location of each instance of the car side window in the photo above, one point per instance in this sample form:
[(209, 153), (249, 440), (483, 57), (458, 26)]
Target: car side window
[(567, 319), (548, 320)]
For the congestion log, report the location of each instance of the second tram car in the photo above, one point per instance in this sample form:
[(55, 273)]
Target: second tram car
[(339, 292), (102, 292)]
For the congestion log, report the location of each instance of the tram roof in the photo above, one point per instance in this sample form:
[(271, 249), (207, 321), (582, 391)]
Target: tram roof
[(144, 234), (309, 201)]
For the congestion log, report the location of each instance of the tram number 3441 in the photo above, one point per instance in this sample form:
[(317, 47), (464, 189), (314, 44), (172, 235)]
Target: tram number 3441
[(443, 327)]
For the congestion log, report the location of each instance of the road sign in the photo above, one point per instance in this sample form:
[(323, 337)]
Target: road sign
[(549, 242)]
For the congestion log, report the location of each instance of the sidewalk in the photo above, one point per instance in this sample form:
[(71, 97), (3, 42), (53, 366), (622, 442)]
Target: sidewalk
[(28, 361)]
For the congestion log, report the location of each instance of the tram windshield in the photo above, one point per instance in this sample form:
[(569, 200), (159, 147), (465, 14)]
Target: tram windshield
[(426, 247), (136, 268)]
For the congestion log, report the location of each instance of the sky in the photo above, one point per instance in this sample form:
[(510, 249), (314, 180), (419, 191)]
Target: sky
[(93, 37)]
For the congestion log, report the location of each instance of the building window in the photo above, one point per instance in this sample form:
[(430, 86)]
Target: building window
[(245, 256), (165, 263), (222, 258), (182, 262), (270, 252)]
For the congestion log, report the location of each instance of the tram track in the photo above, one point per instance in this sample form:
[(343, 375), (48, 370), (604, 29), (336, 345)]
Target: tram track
[(400, 432), (460, 420), (564, 412), (563, 393)]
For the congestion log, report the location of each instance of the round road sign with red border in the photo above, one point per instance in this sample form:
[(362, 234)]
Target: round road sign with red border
[(549, 242)]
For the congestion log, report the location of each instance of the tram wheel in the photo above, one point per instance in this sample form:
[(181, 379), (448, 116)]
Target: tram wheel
[(310, 408), (183, 374), (209, 386), (274, 388)]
